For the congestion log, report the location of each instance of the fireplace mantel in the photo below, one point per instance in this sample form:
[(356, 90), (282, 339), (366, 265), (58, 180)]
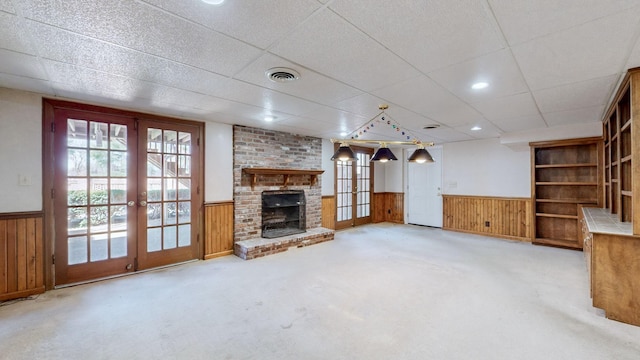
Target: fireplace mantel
[(285, 172)]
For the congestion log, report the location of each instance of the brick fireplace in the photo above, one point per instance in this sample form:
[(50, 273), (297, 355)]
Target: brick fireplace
[(260, 148)]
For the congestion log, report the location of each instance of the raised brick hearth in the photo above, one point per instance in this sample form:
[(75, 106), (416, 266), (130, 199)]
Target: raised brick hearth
[(258, 247), (259, 148)]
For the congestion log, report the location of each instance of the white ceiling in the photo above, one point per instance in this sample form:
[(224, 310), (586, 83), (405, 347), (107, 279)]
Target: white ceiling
[(548, 62)]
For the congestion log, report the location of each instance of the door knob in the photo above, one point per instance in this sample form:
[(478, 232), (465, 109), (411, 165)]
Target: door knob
[(143, 203), (131, 203)]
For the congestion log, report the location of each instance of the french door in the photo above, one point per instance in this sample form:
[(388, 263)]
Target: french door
[(354, 185), (125, 194)]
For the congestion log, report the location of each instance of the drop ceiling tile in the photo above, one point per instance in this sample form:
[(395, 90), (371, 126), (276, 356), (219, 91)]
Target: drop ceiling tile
[(499, 69), (364, 104), (12, 34), (584, 115), (25, 83), (577, 95), (587, 51), (507, 107), (341, 120), (523, 20), (311, 85), (331, 46), (21, 65), (232, 17), (520, 123), (7, 6), (144, 28), (441, 32), (448, 135), (458, 115), (421, 95)]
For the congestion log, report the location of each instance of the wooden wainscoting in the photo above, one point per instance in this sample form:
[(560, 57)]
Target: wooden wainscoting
[(388, 206), (329, 212), (507, 217), (21, 255), (218, 229)]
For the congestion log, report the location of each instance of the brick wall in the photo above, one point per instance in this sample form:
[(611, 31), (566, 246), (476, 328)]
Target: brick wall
[(261, 148)]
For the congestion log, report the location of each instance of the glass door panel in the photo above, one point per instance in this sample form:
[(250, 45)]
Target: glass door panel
[(167, 194), (353, 190), (95, 238)]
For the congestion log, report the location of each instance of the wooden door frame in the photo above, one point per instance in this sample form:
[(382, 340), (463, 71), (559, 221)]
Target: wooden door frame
[(361, 149), (49, 106)]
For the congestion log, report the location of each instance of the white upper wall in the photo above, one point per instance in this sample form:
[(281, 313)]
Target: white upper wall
[(218, 175), (20, 151), (327, 177), (486, 168)]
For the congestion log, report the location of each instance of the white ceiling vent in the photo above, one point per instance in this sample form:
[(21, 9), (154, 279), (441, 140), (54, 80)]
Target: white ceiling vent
[(431, 126), (282, 75)]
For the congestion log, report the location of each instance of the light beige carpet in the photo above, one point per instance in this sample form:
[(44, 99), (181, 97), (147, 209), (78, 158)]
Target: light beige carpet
[(376, 292)]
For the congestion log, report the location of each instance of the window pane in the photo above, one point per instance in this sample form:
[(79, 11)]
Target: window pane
[(170, 166), (170, 189), (76, 133), (98, 163), (169, 213), (118, 137), (185, 189), (184, 212), (184, 235), (154, 140), (184, 143), (118, 163), (154, 190), (77, 220), (170, 237), (184, 165), (170, 141), (118, 191), (154, 239), (98, 135), (99, 216), (76, 191), (77, 162), (98, 192), (77, 250), (154, 212), (99, 247), (118, 244), (154, 165)]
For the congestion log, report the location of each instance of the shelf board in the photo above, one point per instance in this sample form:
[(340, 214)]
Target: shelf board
[(548, 166), (614, 180), (626, 125), (558, 216), (565, 183), (254, 172), (615, 163), (568, 201), (626, 158), (626, 193)]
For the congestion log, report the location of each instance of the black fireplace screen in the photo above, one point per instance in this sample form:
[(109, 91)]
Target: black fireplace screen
[(283, 213)]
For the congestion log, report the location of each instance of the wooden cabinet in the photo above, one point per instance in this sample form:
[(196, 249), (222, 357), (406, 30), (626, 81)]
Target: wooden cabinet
[(612, 253), (621, 146), (564, 174)]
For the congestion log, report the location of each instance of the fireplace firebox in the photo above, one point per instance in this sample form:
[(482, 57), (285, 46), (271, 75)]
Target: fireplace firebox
[(283, 213)]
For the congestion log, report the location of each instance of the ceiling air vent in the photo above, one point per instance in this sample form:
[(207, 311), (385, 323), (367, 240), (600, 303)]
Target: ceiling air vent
[(282, 75), (431, 126)]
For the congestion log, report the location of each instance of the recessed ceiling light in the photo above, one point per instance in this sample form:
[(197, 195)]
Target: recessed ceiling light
[(269, 118), (476, 128), (213, 2), (343, 134), (479, 85)]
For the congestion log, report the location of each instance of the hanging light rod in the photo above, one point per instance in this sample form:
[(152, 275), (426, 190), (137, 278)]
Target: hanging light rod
[(383, 154)]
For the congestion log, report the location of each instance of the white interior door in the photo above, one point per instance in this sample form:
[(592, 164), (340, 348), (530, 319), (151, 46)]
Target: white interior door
[(424, 191)]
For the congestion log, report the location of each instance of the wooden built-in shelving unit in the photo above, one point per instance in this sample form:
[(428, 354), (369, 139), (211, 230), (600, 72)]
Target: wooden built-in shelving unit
[(564, 174)]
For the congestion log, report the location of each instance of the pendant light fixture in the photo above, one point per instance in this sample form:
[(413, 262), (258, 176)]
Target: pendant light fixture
[(383, 154)]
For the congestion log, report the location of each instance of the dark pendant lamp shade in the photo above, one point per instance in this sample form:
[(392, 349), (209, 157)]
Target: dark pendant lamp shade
[(383, 155), (420, 156), (344, 153)]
